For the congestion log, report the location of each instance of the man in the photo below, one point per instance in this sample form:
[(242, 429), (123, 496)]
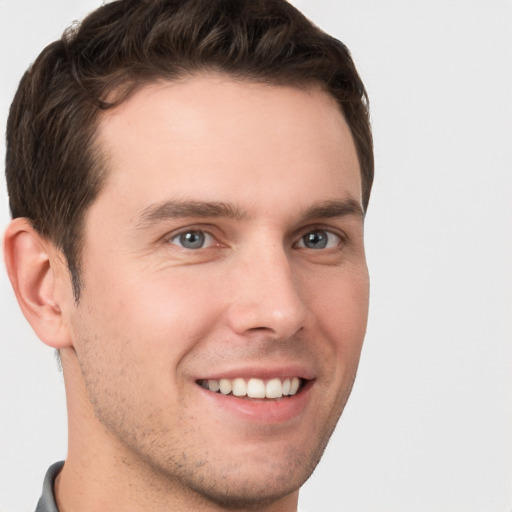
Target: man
[(188, 182)]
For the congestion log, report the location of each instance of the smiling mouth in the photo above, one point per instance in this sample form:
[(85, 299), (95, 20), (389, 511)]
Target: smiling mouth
[(255, 388)]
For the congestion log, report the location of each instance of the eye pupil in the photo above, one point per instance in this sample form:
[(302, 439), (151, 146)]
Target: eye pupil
[(315, 240), (192, 239)]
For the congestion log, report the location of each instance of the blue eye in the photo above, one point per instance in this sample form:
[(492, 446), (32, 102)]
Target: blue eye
[(319, 239), (193, 239)]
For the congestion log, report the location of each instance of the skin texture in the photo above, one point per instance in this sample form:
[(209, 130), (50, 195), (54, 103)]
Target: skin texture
[(156, 317)]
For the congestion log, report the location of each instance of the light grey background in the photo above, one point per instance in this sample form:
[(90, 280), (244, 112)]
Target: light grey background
[(429, 424)]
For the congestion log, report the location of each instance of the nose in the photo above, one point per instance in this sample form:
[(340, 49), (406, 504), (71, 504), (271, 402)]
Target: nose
[(265, 295)]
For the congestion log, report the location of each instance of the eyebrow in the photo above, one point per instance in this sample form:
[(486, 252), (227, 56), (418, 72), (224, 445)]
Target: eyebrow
[(176, 209), (182, 209), (334, 208)]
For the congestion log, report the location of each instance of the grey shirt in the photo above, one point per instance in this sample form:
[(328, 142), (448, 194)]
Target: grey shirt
[(47, 501)]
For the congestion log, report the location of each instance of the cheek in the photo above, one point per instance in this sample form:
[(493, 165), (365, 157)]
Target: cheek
[(158, 315), (131, 338), (340, 302), (341, 312)]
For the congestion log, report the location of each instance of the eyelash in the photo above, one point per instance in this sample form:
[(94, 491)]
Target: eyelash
[(186, 232), (300, 243), (331, 235)]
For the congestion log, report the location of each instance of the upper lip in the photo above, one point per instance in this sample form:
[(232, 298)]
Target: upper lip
[(260, 371)]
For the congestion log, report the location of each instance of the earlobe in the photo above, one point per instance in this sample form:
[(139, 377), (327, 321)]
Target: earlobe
[(33, 266)]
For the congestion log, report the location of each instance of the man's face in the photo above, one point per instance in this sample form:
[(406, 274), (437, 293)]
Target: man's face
[(225, 249)]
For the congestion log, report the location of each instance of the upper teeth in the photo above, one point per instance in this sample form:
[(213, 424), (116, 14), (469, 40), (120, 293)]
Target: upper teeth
[(254, 388)]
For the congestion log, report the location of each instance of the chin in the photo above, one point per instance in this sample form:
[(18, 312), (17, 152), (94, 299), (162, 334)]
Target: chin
[(261, 480), (248, 493)]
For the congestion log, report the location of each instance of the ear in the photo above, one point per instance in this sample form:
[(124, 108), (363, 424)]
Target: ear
[(35, 269)]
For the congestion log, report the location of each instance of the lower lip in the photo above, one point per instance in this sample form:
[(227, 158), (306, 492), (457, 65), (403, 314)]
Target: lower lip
[(272, 411)]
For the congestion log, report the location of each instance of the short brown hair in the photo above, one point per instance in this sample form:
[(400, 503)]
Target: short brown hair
[(54, 172)]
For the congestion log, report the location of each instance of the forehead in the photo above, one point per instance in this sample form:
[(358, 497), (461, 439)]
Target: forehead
[(214, 138)]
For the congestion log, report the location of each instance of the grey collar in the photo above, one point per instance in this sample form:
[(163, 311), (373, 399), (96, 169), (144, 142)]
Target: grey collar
[(47, 501)]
